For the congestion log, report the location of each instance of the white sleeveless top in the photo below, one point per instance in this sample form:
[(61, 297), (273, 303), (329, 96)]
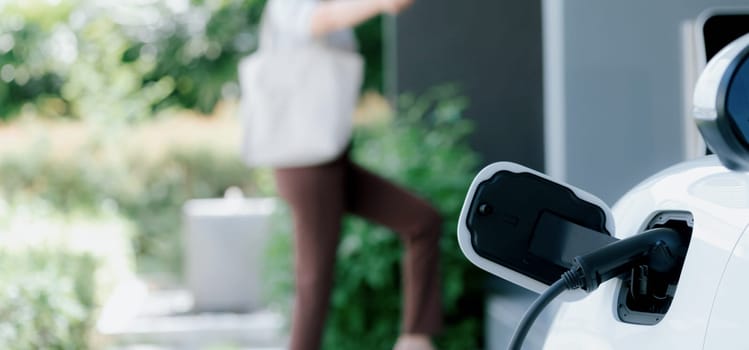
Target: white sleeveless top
[(291, 23)]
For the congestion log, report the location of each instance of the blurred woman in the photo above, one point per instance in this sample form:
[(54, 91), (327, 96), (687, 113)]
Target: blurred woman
[(320, 195)]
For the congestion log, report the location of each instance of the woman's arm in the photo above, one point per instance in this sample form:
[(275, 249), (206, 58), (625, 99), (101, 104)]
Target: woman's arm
[(333, 15)]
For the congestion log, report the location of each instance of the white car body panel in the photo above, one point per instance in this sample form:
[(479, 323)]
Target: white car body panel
[(710, 307)]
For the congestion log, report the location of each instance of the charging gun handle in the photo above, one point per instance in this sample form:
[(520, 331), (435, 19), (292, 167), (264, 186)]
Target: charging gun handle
[(653, 248)]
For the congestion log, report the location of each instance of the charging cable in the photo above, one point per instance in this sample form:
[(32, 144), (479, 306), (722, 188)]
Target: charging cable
[(651, 248)]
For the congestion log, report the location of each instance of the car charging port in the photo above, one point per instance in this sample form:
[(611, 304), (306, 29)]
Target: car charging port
[(647, 291)]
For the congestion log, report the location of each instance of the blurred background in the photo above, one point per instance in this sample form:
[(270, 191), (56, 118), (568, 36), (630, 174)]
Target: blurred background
[(128, 221)]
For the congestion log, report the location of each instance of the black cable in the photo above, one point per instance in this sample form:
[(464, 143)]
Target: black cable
[(539, 305)]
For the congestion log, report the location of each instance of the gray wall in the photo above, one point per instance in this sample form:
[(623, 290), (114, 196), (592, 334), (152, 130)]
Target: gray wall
[(615, 101), (608, 110), (492, 49)]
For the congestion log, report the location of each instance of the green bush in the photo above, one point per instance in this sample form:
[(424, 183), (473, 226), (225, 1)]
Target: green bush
[(424, 149), (46, 300), (148, 193), (200, 59), (154, 204), (28, 72), (121, 62)]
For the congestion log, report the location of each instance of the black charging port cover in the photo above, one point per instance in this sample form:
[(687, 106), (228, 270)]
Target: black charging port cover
[(533, 225)]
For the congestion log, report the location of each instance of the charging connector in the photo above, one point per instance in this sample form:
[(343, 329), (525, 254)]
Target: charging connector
[(651, 248)]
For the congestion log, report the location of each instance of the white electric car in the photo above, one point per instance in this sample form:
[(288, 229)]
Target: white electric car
[(667, 268)]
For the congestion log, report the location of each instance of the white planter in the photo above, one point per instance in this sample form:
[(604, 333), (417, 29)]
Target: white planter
[(224, 243)]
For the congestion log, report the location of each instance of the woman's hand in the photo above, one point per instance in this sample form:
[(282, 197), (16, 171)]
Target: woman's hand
[(395, 7)]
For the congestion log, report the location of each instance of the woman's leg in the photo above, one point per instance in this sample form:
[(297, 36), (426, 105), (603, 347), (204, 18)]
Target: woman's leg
[(315, 195), (419, 226)]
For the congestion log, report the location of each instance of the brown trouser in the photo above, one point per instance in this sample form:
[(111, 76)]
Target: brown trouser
[(319, 196)]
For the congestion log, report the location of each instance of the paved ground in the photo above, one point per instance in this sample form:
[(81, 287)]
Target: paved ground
[(138, 319)]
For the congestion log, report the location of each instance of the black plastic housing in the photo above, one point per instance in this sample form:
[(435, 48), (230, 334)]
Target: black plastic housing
[(651, 248), (533, 225), (645, 296)]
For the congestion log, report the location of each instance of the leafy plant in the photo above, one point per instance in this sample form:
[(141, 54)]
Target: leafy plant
[(147, 192), (155, 203), (371, 45), (119, 62), (424, 149), (27, 72), (200, 56), (46, 300)]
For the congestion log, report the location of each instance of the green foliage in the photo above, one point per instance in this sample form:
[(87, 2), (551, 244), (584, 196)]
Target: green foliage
[(46, 300), (424, 149), (154, 204), (113, 61), (27, 71), (149, 193), (200, 57), (371, 44), (121, 61)]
